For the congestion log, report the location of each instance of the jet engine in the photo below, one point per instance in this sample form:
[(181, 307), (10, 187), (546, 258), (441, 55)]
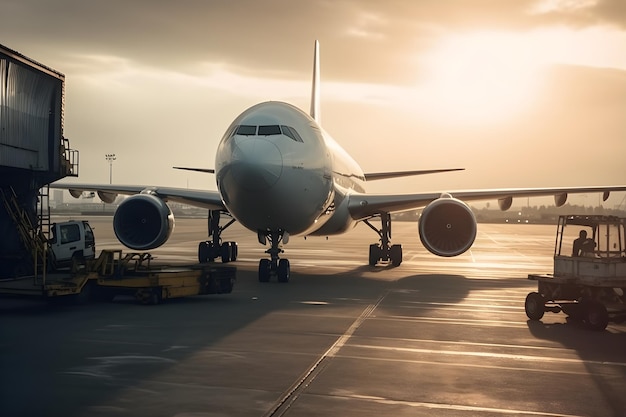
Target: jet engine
[(143, 222), (447, 227)]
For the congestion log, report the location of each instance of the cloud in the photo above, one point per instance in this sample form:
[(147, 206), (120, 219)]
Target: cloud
[(363, 41)]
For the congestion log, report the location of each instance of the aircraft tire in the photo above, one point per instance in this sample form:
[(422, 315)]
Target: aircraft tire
[(225, 252), (234, 251), (396, 255), (264, 270), (283, 270), (374, 254), (203, 252)]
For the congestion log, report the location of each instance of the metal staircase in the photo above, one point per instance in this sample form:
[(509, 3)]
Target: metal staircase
[(34, 238)]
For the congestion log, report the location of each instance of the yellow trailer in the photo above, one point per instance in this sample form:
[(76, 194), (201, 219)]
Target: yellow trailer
[(114, 273)]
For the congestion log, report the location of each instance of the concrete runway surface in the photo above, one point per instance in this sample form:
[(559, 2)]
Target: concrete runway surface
[(435, 336)]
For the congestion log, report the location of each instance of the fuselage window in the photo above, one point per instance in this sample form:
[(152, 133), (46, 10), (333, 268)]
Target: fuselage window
[(269, 130), (291, 132), (246, 130)]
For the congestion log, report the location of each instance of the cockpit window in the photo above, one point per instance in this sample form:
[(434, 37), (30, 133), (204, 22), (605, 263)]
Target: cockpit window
[(266, 130), (269, 130), (246, 130), (292, 133)]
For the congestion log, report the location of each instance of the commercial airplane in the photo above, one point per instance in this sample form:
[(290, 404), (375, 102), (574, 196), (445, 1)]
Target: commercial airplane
[(280, 174)]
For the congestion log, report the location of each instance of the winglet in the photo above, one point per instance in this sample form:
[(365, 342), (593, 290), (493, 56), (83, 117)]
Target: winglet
[(315, 91)]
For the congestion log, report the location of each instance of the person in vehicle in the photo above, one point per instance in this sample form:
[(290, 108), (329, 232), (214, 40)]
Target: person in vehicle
[(582, 245)]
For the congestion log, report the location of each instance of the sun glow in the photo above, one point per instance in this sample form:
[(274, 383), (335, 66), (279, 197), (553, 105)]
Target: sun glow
[(491, 76), (481, 77)]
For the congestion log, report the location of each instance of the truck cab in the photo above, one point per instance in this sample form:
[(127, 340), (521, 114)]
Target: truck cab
[(72, 240)]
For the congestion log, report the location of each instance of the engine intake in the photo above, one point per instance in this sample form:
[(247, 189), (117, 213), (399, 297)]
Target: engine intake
[(143, 222), (447, 227)]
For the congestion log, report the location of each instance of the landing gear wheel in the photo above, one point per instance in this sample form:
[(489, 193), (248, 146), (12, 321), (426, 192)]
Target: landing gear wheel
[(203, 252), (225, 252), (264, 270), (596, 316), (395, 255), (283, 270), (214, 247), (234, 251), (374, 254), (535, 306)]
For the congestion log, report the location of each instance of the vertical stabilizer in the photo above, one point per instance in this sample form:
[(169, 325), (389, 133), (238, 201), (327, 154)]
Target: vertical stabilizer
[(315, 92)]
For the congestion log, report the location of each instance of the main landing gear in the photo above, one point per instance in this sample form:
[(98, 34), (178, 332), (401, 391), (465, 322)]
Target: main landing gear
[(383, 251), (215, 248), (273, 267)]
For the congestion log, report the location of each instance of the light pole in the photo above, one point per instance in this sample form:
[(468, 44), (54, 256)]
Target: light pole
[(110, 157)]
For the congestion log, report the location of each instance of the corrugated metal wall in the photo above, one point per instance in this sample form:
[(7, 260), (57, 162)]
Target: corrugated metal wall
[(30, 116)]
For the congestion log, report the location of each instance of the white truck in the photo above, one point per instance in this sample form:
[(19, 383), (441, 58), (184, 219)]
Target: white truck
[(70, 241)]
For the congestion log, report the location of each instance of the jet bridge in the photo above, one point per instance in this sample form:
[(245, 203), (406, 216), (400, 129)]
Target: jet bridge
[(33, 153)]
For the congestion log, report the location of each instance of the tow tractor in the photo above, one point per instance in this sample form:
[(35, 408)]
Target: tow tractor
[(589, 279)]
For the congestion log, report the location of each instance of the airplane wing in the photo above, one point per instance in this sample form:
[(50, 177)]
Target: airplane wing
[(199, 198), (362, 206)]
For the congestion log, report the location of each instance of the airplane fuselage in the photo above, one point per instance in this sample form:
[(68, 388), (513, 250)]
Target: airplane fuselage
[(277, 170)]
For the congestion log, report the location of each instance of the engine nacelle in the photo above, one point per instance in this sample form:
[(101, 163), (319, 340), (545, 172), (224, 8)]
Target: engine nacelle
[(447, 227), (143, 222)]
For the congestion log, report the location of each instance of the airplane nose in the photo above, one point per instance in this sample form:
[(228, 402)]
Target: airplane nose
[(257, 164)]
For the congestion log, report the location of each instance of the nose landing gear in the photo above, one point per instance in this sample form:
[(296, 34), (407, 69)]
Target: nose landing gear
[(273, 267)]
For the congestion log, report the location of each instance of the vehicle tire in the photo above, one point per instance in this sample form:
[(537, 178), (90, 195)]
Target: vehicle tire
[(157, 296), (374, 254), (596, 316), (203, 252), (103, 295), (396, 255), (535, 306), (283, 270), (264, 270), (574, 311), (86, 294)]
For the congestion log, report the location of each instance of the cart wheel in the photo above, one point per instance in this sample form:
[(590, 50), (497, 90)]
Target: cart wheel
[(596, 316), (535, 306), (156, 296)]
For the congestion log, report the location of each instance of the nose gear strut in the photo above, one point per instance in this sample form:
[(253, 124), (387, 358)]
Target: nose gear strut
[(274, 267)]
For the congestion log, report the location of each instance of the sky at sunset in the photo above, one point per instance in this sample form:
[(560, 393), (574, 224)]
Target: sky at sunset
[(520, 93)]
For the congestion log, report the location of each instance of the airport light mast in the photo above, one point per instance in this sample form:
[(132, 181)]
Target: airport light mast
[(110, 157)]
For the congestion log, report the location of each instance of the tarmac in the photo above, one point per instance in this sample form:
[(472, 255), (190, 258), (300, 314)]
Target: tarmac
[(435, 336)]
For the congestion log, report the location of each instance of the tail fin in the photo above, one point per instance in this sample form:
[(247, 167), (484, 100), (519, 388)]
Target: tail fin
[(315, 92)]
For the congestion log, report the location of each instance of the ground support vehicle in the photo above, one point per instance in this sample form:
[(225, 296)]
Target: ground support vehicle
[(70, 240), (589, 278), (114, 273)]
